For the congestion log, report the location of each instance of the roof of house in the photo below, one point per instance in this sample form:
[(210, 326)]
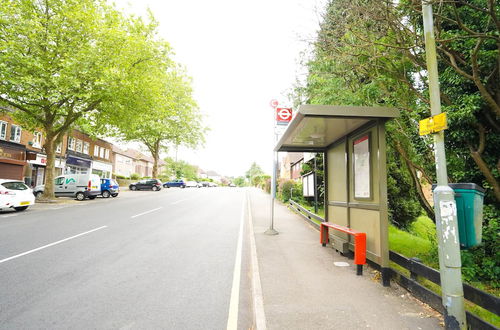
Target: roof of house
[(212, 173)]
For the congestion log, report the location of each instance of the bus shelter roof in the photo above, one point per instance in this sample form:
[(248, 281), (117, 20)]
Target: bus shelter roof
[(315, 127)]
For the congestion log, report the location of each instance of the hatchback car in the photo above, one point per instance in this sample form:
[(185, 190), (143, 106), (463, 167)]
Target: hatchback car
[(15, 195), (109, 187), (175, 183), (192, 184), (146, 184)]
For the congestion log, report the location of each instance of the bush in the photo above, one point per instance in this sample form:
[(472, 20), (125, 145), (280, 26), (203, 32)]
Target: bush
[(482, 263), (290, 189), (135, 176), (117, 176), (267, 185)]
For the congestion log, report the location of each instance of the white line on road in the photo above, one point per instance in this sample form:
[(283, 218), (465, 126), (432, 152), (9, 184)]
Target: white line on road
[(232, 319), (51, 244), (10, 215), (143, 213), (258, 299), (179, 201)]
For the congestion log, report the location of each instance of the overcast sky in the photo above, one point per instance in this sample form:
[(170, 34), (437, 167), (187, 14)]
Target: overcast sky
[(240, 54)]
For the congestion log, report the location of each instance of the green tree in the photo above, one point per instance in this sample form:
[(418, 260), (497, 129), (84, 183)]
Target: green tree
[(180, 169), (253, 172), (240, 181), (66, 63), (168, 116)]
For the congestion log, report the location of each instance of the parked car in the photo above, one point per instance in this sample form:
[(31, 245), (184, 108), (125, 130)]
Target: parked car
[(212, 184), (232, 185), (192, 184), (175, 183), (109, 187), (205, 184), (146, 184), (80, 186), (15, 195)]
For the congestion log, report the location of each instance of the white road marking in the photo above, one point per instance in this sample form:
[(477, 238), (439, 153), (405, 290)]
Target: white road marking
[(232, 319), (143, 213), (258, 299), (10, 215), (179, 201), (51, 244)]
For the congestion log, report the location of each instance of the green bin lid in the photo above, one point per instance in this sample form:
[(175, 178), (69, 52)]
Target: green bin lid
[(468, 186)]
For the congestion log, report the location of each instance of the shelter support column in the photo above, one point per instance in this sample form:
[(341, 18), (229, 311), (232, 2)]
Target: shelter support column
[(384, 222)]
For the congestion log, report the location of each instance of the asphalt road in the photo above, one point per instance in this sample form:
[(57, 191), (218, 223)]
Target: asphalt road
[(143, 260)]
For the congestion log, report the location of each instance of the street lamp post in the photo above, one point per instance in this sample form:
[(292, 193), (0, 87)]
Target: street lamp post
[(444, 202)]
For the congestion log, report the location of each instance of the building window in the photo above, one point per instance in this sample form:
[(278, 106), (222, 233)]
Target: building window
[(79, 145), (15, 133), (71, 143), (3, 130), (101, 153), (107, 153), (59, 147), (96, 151), (86, 147), (37, 140)]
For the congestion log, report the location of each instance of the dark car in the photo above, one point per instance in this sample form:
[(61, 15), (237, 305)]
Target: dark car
[(175, 183), (109, 187), (146, 184)]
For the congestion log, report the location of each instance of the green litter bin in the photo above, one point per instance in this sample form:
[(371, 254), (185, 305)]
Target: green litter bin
[(469, 198)]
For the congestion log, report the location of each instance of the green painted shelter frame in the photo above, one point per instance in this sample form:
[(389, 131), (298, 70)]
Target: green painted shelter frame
[(332, 130)]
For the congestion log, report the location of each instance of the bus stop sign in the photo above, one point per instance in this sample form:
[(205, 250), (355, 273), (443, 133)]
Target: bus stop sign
[(283, 116)]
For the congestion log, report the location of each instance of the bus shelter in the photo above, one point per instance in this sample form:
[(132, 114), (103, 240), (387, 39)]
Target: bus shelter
[(354, 144)]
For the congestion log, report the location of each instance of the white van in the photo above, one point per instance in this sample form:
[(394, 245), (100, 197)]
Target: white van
[(80, 186)]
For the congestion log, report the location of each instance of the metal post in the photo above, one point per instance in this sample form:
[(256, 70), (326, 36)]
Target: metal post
[(444, 201), (271, 230), (315, 187)]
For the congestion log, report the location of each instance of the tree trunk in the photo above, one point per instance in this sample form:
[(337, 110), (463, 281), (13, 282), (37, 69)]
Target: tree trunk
[(483, 167), (48, 192), (156, 156), (421, 197)]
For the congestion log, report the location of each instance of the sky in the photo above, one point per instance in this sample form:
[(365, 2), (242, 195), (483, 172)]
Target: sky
[(241, 55)]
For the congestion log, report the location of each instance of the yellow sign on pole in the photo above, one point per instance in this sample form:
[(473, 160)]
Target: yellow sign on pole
[(433, 124)]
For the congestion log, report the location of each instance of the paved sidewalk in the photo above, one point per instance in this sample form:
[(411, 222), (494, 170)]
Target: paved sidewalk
[(303, 289)]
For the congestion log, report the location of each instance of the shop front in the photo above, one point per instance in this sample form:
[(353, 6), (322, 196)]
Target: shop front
[(12, 160), (36, 169), (104, 170), (77, 165)]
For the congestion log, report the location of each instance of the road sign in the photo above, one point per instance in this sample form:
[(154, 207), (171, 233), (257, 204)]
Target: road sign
[(433, 124), (283, 115), (274, 103)]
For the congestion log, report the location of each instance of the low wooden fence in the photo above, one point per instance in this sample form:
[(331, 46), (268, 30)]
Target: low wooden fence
[(418, 271)]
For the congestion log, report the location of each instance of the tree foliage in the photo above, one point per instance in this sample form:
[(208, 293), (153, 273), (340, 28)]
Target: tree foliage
[(253, 172), (179, 169), (71, 63), (168, 116)]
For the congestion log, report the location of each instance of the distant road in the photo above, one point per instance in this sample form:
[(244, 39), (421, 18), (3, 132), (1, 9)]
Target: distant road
[(144, 260)]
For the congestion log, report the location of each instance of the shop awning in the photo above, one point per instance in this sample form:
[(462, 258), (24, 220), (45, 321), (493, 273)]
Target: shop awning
[(315, 127)]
